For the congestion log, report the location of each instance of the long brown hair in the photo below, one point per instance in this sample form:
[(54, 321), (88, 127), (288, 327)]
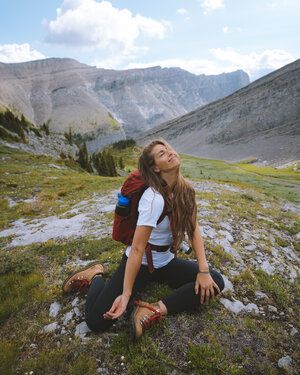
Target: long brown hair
[(183, 203)]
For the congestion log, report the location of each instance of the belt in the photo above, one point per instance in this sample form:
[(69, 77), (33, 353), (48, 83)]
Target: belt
[(159, 248)]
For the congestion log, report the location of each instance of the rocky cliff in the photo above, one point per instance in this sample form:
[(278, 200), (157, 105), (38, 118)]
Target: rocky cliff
[(107, 105), (261, 120)]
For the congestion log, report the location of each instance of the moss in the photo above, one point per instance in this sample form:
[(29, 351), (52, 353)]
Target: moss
[(8, 354), (61, 361), (276, 286), (282, 242), (143, 357), (15, 292), (247, 280), (17, 262), (218, 256), (212, 360), (296, 245)]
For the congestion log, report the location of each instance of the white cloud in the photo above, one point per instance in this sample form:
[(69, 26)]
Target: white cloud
[(88, 23), (253, 62), (224, 61), (13, 53), (211, 5), (225, 29), (182, 11)]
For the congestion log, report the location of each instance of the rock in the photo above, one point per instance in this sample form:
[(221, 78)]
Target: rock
[(203, 202), (251, 247), (260, 295), (82, 329), (50, 327), (54, 309), (294, 331), (67, 317), (226, 226), (267, 267), (77, 311), (227, 235), (209, 231), (237, 306), (234, 306), (284, 362), (272, 308), (251, 307), (75, 302), (228, 284), (226, 246)]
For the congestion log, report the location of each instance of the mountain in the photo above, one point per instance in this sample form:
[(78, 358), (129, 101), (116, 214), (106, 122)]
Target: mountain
[(261, 120), (103, 105)]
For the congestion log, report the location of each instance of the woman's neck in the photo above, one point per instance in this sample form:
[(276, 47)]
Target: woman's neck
[(170, 178)]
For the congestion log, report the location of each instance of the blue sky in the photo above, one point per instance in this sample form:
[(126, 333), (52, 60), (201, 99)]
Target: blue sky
[(201, 36)]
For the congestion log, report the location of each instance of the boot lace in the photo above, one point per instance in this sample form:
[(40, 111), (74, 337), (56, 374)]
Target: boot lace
[(80, 285), (149, 319)]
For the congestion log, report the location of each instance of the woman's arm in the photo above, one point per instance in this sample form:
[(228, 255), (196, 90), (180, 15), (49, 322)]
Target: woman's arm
[(133, 264), (204, 281), (198, 246), (139, 243)]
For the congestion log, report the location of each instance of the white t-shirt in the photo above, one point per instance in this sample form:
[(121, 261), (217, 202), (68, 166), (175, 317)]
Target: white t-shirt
[(150, 208)]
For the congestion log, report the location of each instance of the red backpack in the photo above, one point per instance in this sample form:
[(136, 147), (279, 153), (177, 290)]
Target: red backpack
[(124, 226)]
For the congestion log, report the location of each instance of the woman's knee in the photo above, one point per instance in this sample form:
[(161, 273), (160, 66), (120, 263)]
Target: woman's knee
[(218, 279), (98, 324)]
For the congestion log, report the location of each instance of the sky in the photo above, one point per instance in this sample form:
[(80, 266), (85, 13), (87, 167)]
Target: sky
[(200, 36)]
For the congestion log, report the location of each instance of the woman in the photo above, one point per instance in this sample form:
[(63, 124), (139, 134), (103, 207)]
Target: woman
[(194, 283)]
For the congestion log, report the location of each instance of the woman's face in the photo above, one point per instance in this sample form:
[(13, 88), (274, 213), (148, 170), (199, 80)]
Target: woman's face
[(165, 159)]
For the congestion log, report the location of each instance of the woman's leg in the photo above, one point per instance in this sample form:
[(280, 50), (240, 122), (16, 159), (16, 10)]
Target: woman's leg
[(181, 274), (101, 295)]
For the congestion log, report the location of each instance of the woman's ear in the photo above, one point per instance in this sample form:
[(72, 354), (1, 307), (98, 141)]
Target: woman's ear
[(156, 169)]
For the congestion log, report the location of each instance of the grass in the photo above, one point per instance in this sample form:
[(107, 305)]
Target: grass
[(283, 183)]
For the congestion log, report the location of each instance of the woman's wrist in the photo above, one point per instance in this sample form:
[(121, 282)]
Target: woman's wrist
[(203, 268), (127, 294)]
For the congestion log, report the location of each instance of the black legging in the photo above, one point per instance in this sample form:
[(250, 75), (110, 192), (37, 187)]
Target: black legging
[(178, 273)]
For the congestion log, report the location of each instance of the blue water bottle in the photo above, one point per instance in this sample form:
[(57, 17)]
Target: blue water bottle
[(123, 205)]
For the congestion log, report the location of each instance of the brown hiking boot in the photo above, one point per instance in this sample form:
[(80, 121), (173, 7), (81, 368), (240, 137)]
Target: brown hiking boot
[(142, 317), (79, 281)]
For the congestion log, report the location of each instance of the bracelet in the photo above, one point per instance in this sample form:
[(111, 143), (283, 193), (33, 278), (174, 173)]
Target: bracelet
[(207, 272)]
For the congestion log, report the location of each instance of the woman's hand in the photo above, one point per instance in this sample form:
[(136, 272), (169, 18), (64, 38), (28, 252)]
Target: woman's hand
[(206, 284), (118, 307)]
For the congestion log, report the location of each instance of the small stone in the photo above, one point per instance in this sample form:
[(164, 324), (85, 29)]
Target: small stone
[(58, 344), (50, 327), (33, 346), (67, 317), (267, 267), (82, 329), (228, 284), (294, 331), (251, 247), (54, 309), (75, 302), (284, 362), (272, 308), (260, 295), (122, 358), (122, 364), (77, 312), (251, 307)]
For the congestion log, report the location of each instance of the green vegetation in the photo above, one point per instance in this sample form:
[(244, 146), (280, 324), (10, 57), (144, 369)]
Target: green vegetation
[(212, 360), (124, 143), (283, 183)]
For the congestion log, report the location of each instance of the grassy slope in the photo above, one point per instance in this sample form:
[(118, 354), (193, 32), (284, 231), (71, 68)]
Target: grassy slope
[(218, 343)]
